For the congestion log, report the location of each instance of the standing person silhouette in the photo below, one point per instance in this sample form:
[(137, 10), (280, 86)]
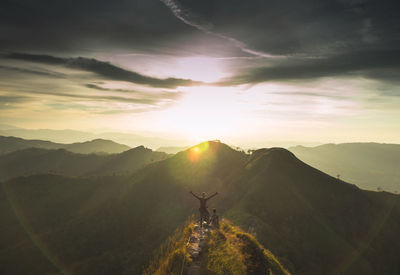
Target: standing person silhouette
[(204, 214)]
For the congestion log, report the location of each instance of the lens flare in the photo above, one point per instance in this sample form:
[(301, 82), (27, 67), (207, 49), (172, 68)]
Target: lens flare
[(195, 153)]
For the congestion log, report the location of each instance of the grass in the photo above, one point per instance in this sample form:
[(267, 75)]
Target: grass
[(173, 255), (229, 250)]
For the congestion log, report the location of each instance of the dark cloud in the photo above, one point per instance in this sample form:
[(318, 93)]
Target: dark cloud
[(87, 25), (370, 64), (158, 94), (313, 38), (32, 71), (297, 27), (104, 69), (96, 87), (99, 88)]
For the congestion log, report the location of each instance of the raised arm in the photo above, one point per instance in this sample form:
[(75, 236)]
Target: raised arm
[(216, 193), (194, 195)]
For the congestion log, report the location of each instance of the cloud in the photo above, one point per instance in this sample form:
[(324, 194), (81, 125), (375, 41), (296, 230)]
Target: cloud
[(369, 64), (87, 25), (201, 24), (104, 69), (154, 94), (291, 27), (13, 101), (142, 99), (30, 71)]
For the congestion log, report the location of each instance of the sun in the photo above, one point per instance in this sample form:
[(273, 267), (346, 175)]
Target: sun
[(205, 113)]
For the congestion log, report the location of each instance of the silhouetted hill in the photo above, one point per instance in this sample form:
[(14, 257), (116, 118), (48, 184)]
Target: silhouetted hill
[(11, 144), (96, 146), (172, 150), (36, 161), (313, 223), (129, 161), (368, 165)]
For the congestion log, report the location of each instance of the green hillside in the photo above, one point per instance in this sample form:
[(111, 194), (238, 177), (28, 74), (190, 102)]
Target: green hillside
[(315, 223), (311, 222)]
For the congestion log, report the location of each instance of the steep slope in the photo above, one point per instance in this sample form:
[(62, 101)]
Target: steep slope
[(315, 223), (36, 161), (312, 222), (368, 165), (11, 144)]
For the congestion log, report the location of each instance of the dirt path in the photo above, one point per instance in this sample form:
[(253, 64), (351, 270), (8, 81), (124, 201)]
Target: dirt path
[(194, 246)]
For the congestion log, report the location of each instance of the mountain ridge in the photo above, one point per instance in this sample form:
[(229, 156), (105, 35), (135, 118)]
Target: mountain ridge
[(61, 161), (312, 222), (10, 144)]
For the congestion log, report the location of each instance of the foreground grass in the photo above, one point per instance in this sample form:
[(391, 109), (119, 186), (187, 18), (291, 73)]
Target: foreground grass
[(228, 250), (173, 255)]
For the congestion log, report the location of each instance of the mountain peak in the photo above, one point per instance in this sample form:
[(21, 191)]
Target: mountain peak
[(266, 155)]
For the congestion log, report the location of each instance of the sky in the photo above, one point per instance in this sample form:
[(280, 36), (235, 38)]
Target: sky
[(244, 72)]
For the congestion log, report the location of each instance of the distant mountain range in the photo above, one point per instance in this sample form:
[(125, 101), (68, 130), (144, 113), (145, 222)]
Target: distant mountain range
[(59, 161), (370, 166), (11, 144), (72, 136), (312, 222)]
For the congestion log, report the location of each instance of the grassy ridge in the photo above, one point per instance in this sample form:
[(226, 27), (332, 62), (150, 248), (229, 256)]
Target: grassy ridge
[(228, 250)]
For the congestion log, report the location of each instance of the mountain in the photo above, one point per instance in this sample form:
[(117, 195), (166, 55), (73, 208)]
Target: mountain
[(368, 165), (7, 127), (59, 136), (38, 161), (70, 136), (172, 149), (313, 223), (10, 144), (96, 146)]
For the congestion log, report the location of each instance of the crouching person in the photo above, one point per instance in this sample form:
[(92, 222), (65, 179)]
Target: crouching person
[(215, 219)]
